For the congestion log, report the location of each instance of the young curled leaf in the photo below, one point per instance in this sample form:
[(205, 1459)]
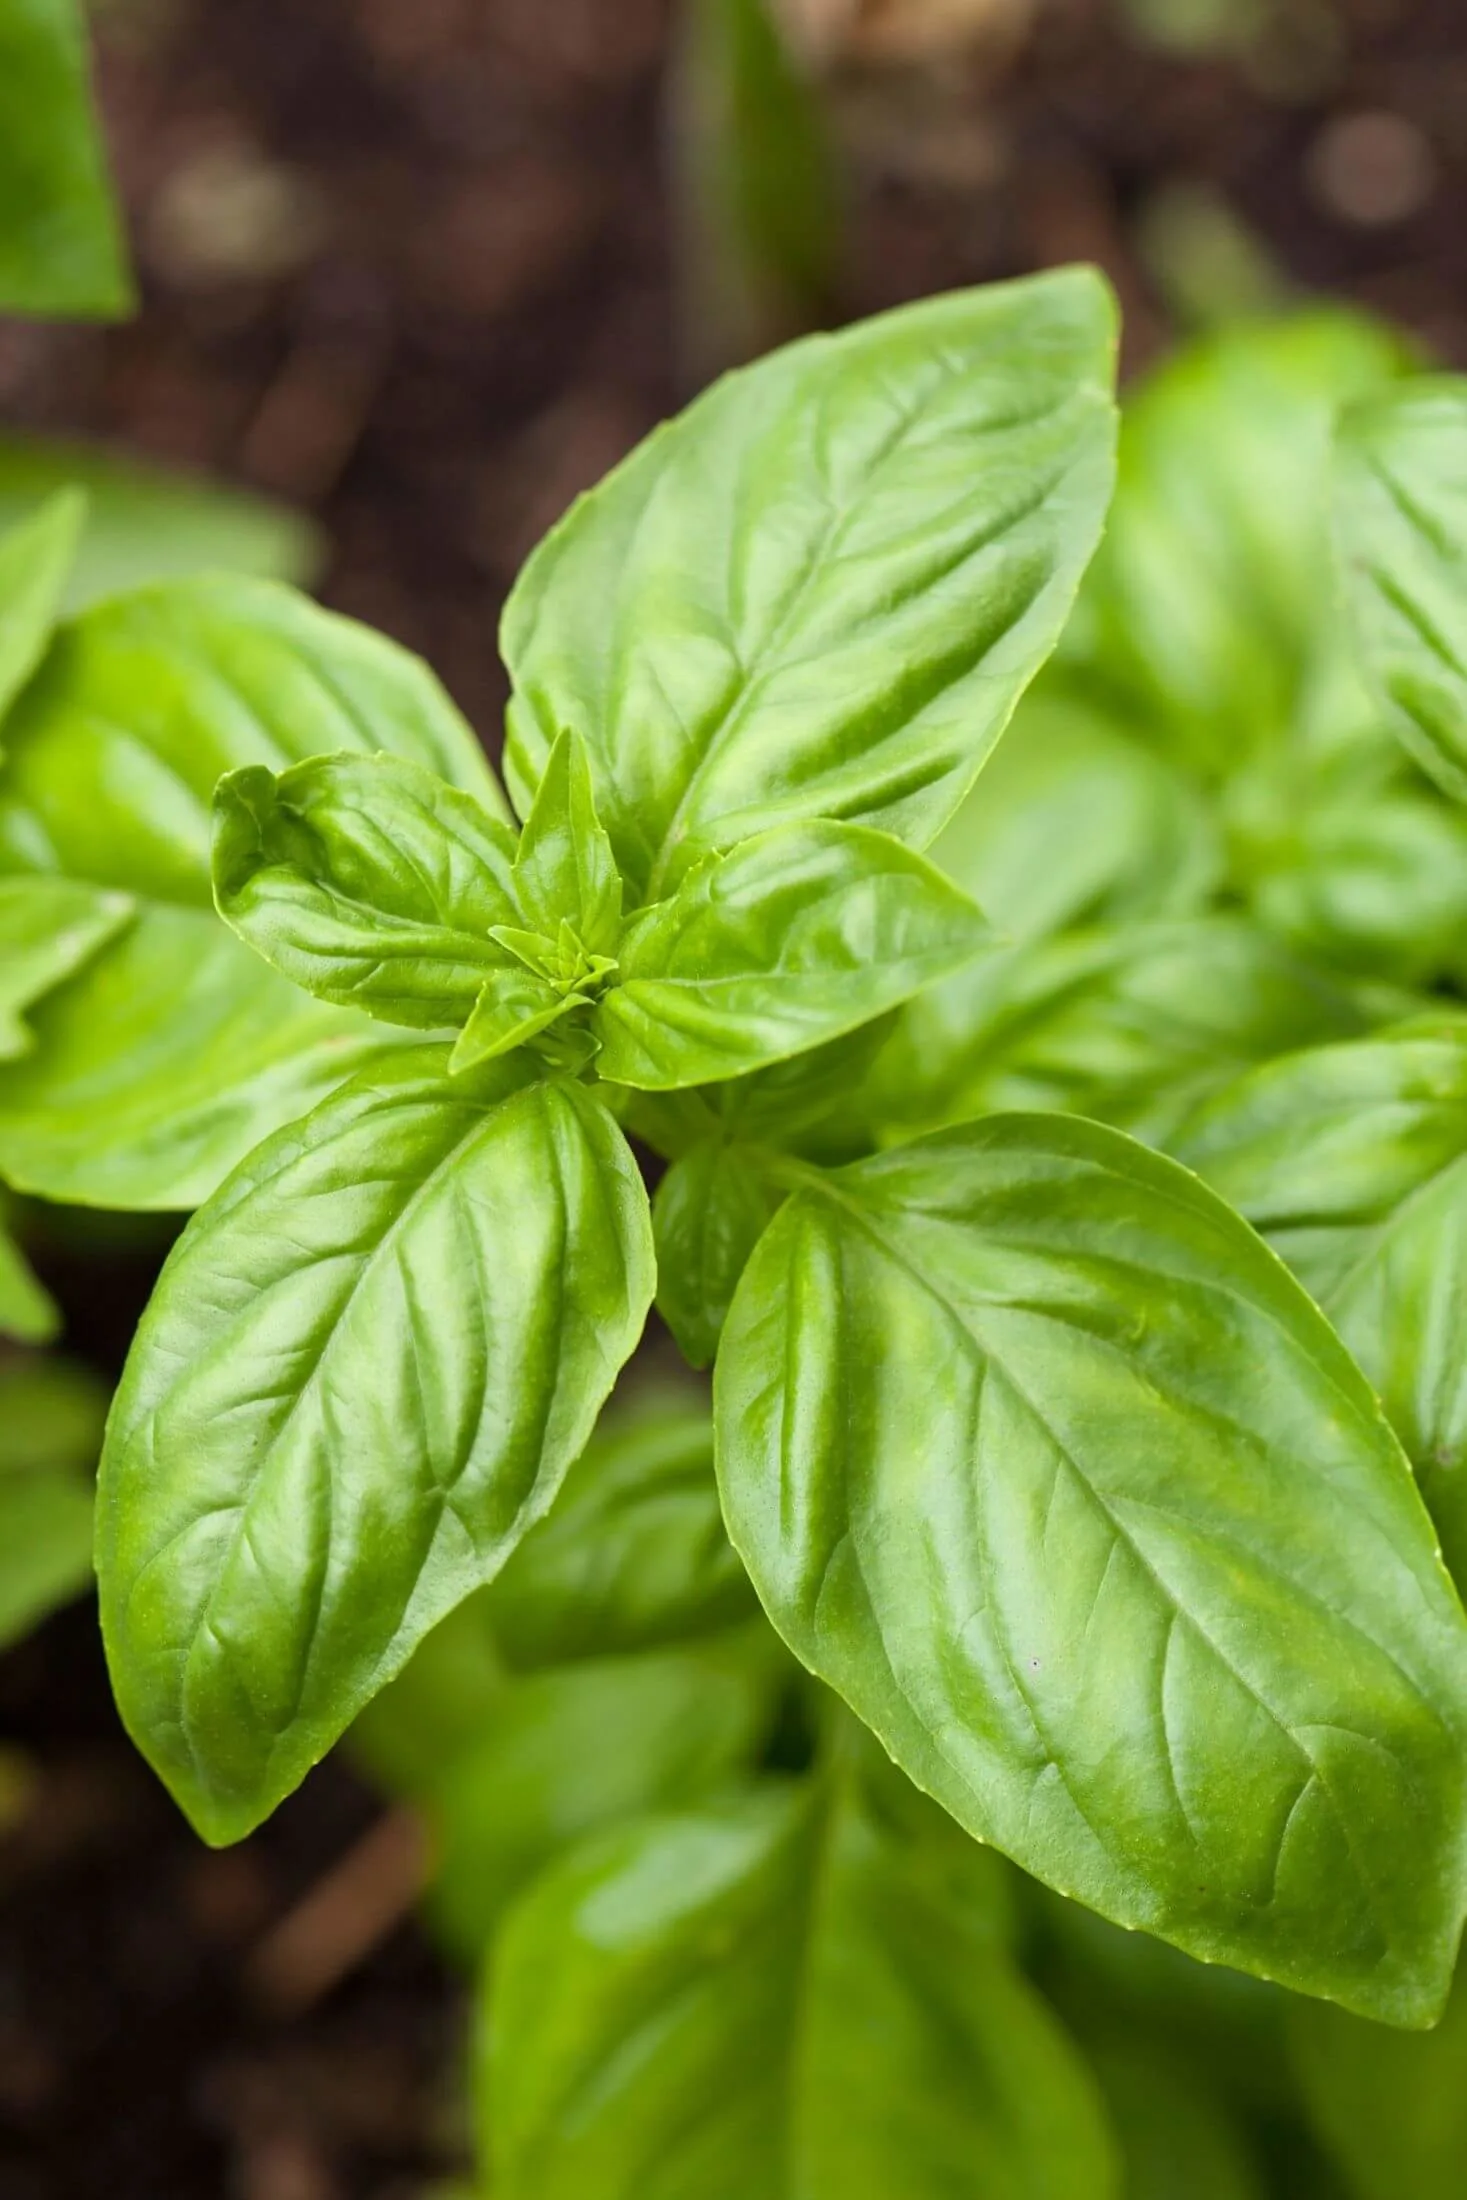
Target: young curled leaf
[(784, 1994), (366, 1370), (565, 872), (822, 590), (367, 881), (1041, 1460), (787, 941)]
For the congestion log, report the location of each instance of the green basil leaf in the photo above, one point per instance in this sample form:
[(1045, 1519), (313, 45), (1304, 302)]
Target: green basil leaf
[(1175, 2137), (787, 941), (147, 523), (51, 1417), (562, 1754), (1203, 617), (565, 870), (1401, 515), (367, 881), (773, 1996), (1075, 823), (1390, 2107), (370, 1362), (634, 1554), (1049, 1468), (35, 558), (1352, 1160), (177, 1037), (1132, 1024), (824, 588), (27, 1311), (49, 928), (513, 1008), (711, 1210), (61, 248)]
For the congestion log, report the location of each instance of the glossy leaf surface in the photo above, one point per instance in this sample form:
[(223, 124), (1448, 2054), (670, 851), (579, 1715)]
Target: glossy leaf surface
[(1402, 528), (821, 591), (1043, 1462), (1352, 1161), (782, 944), (60, 248), (775, 2000), (35, 559), (367, 881), (369, 1364)]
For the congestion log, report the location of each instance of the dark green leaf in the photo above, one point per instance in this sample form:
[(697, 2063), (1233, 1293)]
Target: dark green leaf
[(711, 1210), (1040, 1459), (1177, 2140), (49, 929), (1352, 1160), (787, 941), (1401, 487), (823, 589), (1391, 2107), (370, 1363), (27, 1310), (781, 1998), (634, 1554), (35, 559), (60, 247), (367, 881)]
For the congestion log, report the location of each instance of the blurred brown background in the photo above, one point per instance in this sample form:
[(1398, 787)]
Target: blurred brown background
[(412, 264)]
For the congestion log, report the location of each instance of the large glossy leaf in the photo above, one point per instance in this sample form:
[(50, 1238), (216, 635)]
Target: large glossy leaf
[(51, 1417), (1353, 1162), (176, 1037), (1204, 615), (1401, 487), (60, 247), (368, 881), (49, 928), (1391, 2108), (562, 1754), (822, 590), (782, 1998), (145, 523), (1054, 1473), (35, 558), (634, 1554), (1127, 1023), (367, 1368), (784, 943)]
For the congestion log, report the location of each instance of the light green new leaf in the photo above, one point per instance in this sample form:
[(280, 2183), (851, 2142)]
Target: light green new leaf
[(514, 1007), (711, 1209), (778, 1998), (562, 1754), (1401, 522), (49, 928), (822, 590), (1131, 1024), (27, 1311), (369, 1364), (634, 1555), (35, 559), (565, 871), (61, 250), (1042, 1461), (177, 1037), (1352, 1160), (785, 942), (146, 523), (367, 881), (51, 1418), (1390, 2107)]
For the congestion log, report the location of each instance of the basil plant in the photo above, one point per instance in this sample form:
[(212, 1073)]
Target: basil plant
[(1060, 1170)]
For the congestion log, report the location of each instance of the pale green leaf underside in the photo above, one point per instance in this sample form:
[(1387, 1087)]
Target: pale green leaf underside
[(823, 589), (1039, 1458), (766, 2001), (1401, 523), (367, 1368)]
